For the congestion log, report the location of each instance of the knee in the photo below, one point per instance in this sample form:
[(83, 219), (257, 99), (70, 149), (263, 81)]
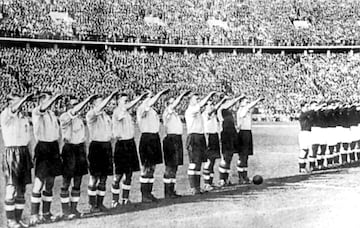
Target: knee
[(10, 193), (207, 164), (170, 172), (102, 180), (148, 171), (102, 184), (38, 185), (195, 166), (77, 182), (20, 192), (49, 184), (192, 166), (20, 198), (222, 162), (92, 181), (239, 163), (167, 171), (127, 180), (225, 162), (116, 179), (242, 162), (65, 186)]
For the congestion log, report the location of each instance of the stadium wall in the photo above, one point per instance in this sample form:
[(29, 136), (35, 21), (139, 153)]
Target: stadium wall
[(23, 42)]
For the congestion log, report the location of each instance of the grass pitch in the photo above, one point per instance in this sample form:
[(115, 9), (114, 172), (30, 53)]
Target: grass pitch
[(275, 155)]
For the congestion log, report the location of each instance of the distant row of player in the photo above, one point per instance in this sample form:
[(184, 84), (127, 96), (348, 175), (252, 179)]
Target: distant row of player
[(211, 134), (329, 136)]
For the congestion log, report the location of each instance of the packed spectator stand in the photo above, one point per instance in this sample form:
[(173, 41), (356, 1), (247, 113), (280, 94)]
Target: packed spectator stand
[(284, 80), (223, 22)]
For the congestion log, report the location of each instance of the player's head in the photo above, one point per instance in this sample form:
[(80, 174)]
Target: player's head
[(122, 98), (72, 101), (13, 98), (304, 106), (171, 101), (209, 105), (194, 99), (337, 103), (244, 102), (97, 100), (44, 96), (149, 94), (111, 105), (331, 105), (313, 104)]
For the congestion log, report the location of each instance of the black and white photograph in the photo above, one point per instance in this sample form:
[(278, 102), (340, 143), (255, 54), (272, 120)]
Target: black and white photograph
[(179, 113)]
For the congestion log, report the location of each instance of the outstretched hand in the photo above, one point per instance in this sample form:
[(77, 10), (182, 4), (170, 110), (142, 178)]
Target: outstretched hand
[(187, 92), (29, 96), (165, 91)]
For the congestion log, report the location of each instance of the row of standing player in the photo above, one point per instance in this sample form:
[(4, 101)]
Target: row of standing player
[(329, 135), (73, 162)]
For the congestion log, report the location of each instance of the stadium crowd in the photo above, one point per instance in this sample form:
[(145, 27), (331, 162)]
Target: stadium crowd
[(285, 80), (224, 22)]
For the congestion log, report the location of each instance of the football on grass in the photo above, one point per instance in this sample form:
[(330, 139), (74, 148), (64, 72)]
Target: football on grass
[(257, 179)]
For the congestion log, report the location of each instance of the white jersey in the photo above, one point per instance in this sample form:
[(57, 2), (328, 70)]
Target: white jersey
[(46, 126), (211, 123), (15, 128), (123, 125), (194, 120), (172, 122), (244, 118), (72, 128), (99, 126), (147, 118)]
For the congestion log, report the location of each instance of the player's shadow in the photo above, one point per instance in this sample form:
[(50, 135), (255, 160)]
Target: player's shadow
[(229, 192)]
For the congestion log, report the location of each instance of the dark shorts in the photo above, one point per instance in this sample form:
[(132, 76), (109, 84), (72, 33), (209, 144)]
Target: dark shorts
[(74, 160), (229, 143), (150, 149), (196, 147), (213, 147), (47, 160), (16, 165), (100, 159), (173, 150), (125, 157), (245, 142)]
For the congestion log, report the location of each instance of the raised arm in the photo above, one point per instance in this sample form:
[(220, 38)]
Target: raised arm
[(155, 98), (252, 104), (205, 99), (179, 98), (75, 110), (232, 102), (15, 107), (47, 104), (218, 105), (132, 103), (320, 106), (102, 105)]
